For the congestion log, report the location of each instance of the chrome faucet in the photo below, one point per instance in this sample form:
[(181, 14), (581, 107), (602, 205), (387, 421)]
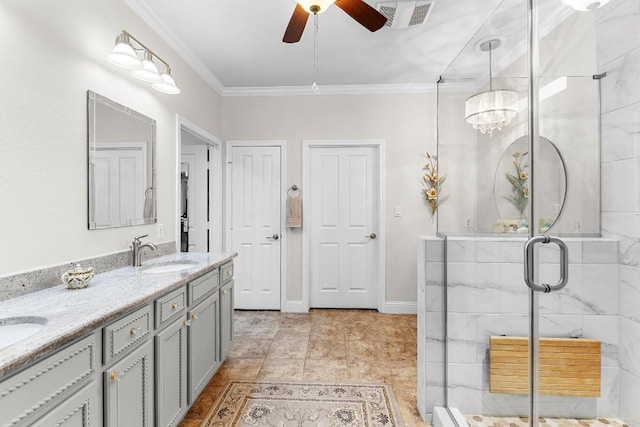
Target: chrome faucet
[(137, 247)]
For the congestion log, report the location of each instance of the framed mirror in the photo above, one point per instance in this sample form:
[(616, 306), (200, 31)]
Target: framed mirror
[(121, 145), (511, 186)]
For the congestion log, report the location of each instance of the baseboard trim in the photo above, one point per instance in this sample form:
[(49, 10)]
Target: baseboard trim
[(294, 307), (442, 417), (400, 307)]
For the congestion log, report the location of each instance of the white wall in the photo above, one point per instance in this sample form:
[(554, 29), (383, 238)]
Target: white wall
[(405, 122), (52, 53)]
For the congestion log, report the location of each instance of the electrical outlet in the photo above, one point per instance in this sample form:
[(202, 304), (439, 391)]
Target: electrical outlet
[(160, 230), (397, 211)]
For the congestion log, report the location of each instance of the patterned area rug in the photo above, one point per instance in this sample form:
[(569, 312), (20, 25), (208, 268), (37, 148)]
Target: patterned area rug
[(302, 404), (482, 421)]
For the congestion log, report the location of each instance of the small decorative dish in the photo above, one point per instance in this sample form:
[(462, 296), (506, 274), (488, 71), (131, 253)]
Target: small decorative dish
[(78, 277)]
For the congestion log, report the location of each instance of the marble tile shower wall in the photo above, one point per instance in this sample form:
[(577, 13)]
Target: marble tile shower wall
[(618, 54), (487, 296)]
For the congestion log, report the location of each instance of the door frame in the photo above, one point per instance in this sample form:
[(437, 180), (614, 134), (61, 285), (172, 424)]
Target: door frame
[(379, 145), (228, 241), (215, 181)]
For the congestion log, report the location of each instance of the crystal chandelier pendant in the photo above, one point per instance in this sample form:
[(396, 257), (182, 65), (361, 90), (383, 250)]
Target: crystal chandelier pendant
[(493, 109)]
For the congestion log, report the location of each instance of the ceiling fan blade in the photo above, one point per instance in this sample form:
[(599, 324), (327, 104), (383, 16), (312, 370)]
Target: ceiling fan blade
[(298, 21), (366, 15)]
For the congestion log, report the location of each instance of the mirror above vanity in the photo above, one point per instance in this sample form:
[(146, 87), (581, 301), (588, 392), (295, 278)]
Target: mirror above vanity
[(121, 144)]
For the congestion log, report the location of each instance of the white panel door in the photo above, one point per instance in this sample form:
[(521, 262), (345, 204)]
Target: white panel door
[(343, 221), (197, 196), (255, 226)]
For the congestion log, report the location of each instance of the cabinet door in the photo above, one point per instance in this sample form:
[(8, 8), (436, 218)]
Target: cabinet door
[(226, 318), (171, 374), (204, 351), (128, 390), (82, 409)]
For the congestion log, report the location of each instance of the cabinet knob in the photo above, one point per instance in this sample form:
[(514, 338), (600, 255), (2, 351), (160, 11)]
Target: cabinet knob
[(174, 305), (115, 376), (224, 292), (133, 331), (194, 315), (186, 322)]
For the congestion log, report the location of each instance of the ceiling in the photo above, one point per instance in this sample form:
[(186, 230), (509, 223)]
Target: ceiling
[(237, 45)]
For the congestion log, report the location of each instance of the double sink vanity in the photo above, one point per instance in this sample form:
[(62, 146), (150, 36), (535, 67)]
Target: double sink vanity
[(134, 348)]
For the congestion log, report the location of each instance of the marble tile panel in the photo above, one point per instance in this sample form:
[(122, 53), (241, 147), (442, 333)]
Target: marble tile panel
[(505, 251), (630, 292), (462, 337), (466, 387), (600, 252), (421, 263), (619, 87), (616, 33), (629, 344), (434, 337), (461, 250), (561, 325), (434, 249), (434, 388), (489, 325), (606, 329), (595, 290), (625, 228), (629, 398), (621, 185), (434, 296), (504, 404), (608, 402), (551, 253), (621, 134)]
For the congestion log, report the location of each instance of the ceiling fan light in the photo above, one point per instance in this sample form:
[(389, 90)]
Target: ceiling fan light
[(167, 85), (585, 5), (123, 55), (315, 6), (149, 71)]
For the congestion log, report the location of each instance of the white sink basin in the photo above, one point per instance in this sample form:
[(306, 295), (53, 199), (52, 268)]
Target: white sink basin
[(168, 267), (14, 329)]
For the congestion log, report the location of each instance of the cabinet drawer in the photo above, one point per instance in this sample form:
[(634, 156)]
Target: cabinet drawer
[(47, 382), (226, 272), (202, 286), (125, 334), (170, 306), (80, 410)]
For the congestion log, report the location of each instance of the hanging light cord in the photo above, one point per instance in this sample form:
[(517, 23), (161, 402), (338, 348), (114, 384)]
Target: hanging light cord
[(490, 66), (315, 48)]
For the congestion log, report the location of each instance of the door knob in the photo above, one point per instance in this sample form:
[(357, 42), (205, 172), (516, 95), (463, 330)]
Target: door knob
[(276, 236), (371, 236)]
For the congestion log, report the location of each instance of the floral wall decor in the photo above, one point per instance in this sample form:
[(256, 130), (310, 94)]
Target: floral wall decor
[(519, 196), (432, 184)]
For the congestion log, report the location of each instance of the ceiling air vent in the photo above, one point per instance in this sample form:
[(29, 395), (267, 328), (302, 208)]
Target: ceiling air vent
[(404, 14)]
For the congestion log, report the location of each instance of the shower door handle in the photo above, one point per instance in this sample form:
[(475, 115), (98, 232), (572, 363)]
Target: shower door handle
[(529, 263)]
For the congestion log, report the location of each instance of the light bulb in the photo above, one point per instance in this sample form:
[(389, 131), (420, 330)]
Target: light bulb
[(167, 85), (149, 71), (123, 55)]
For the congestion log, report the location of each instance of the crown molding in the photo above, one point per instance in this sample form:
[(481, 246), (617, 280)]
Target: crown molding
[(142, 9), (331, 90)]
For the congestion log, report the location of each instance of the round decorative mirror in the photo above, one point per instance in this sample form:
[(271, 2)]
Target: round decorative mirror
[(511, 186)]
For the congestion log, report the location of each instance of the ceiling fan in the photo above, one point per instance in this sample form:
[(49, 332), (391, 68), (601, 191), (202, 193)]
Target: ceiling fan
[(366, 15)]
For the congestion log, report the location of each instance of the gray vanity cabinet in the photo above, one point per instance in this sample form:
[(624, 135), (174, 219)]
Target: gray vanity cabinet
[(82, 409), (171, 370), (129, 390), (226, 318), (204, 350)]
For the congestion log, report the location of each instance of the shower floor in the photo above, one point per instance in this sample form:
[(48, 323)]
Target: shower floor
[(482, 421)]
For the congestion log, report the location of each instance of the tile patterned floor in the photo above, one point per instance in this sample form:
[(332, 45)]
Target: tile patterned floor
[(482, 421), (322, 345)]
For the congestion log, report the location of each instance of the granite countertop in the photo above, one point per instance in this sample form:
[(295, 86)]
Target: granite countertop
[(72, 314)]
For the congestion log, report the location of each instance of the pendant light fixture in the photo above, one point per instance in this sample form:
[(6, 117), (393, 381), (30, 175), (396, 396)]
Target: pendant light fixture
[(314, 87), (493, 109), (127, 53)]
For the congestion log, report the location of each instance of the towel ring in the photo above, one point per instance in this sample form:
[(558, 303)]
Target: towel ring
[(294, 188)]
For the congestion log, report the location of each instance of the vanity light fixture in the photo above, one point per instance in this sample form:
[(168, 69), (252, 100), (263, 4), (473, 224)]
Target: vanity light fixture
[(495, 108), (127, 53), (585, 5)]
